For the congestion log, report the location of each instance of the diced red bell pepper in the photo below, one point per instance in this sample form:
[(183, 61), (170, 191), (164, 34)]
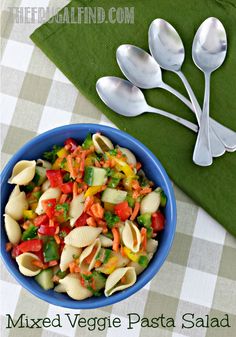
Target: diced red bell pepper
[(72, 144), (81, 221), (41, 220), (15, 251), (47, 230), (123, 210), (67, 188), (40, 255), (55, 177), (49, 207), (33, 245), (158, 221)]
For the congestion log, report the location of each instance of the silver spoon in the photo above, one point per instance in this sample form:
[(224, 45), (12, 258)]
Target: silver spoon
[(167, 49), (128, 100), (140, 68), (208, 52)]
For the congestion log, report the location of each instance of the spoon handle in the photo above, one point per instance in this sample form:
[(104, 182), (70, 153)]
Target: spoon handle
[(180, 120), (225, 135)]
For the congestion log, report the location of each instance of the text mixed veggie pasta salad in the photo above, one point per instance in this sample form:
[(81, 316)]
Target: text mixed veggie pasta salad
[(85, 219)]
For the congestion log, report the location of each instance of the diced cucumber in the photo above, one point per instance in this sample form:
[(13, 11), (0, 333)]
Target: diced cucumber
[(40, 175), (95, 176), (113, 196), (44, 279)]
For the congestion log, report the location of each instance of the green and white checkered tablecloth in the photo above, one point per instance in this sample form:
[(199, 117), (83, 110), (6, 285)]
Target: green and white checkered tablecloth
[(199, 275)]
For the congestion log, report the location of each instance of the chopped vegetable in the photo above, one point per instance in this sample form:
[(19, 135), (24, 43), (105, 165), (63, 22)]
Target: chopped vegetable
[(95, 176), (50, 250), (33, 245), (111, 219), (49, 207), (87, 142), (65, 208), (145, 219), (51, 156), (29, 214), (143, 261), (44, 279), (30, 233), (71, 144), (55, 177), (158, 221), (122, 210), (113, 196)]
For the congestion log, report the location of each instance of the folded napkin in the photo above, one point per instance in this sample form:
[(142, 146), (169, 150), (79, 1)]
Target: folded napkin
[(85, 52)]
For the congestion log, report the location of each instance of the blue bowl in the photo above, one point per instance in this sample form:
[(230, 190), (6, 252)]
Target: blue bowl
[(151, 166)]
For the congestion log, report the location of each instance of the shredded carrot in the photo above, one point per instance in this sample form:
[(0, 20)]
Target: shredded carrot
[(89, 258), (144, 237), (105, 230), (122, 251), (135, 185), (135, 211), (63, 198), (83, 155), (138, 166), (97, 264), (74, 268), (88, 203), (67, 147), (57, 230), (135, 194), (75, 189), (9, 246), (145, 190), (57, 239), (39, 264), (116, 240), (91, 222), (97, 210), (71, 167)]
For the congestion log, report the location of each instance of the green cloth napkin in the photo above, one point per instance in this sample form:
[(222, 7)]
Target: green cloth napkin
[(85, 52)]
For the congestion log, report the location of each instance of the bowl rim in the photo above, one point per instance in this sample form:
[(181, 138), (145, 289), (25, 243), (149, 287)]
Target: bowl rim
[(147, 277)]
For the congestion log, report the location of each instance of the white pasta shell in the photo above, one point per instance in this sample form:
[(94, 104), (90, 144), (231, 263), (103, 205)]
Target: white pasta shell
[(44, 163), (76, 208), (51, 193), (112, 283), (16, 204), (98, 139), (26, 266), (105, 241), (150, 203), (129, 155), (74, 288), (23, 172), (82, 236), (131, 236), (151, 246), (67, 256), (86, 252), (45, 186), (60, 288), (13, 229)]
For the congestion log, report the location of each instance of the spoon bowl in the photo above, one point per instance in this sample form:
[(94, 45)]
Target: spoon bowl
[(139, 67), (166, 45), (121, 96), (209, 45)]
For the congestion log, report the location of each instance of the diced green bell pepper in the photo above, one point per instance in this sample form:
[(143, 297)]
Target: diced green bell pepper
[(145, 219), (50, 250), (30, 233)]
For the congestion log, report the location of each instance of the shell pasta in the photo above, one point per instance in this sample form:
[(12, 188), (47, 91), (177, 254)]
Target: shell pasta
[(84, 219)]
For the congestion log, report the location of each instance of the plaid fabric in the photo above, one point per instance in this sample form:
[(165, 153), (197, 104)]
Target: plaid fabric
[(199, 275)]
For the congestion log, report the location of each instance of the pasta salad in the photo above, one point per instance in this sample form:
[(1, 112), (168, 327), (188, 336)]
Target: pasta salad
[(85, 219)]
